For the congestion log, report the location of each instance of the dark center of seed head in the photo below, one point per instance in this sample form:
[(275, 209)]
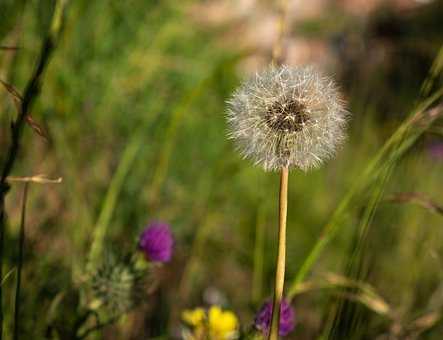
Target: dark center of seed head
[(289, 116)]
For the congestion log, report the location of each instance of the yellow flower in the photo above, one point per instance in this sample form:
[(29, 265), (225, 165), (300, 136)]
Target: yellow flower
[(194, 317), (223, 325), (214, 325)]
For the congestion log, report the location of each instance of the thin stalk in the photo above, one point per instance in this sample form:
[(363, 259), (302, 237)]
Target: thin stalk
[(31, 92), (278, 58), (111, 198), (20, 262), (281, 255)]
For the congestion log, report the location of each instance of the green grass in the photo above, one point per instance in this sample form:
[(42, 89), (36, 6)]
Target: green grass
[(133, 102)]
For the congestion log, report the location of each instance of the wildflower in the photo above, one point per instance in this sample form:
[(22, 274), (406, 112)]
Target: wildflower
[(194, 317), (222, 324), (157, 242), (215, 324), (287, 117), (287, 318)]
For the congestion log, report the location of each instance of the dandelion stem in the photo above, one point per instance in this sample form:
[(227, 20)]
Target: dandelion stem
[(277, 56), (281, 255), (20, 262)]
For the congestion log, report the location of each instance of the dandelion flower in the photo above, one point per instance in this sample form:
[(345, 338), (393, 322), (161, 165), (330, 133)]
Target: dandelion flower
[(287, 117), (283, 118), (157, 242), (287, 318)]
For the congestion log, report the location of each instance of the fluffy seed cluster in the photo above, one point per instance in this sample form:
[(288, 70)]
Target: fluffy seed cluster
[(287, 116)]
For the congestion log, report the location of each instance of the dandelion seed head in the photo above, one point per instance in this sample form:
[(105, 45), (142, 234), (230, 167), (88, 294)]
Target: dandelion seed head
[(287, 116)]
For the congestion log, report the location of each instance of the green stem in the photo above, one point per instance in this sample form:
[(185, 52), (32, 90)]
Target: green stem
[(20, 262), (111, 198)]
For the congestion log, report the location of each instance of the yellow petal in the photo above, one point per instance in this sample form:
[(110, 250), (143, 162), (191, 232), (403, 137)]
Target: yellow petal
[(194, 317), (222, 324)]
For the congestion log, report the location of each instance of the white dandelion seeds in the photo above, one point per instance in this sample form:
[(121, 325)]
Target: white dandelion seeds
[(287, 117)]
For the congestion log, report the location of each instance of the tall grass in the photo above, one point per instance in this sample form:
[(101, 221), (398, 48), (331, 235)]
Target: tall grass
[(29, 96), (395, 147)]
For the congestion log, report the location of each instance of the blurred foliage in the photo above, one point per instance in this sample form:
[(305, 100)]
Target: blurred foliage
[(133, 104)]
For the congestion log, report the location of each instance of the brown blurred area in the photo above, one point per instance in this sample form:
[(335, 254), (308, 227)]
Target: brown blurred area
[(351, 39)]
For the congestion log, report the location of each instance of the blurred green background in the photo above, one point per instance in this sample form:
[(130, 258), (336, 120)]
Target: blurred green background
[(133, 104)]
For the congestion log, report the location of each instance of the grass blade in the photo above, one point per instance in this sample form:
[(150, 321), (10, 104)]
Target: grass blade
[(20, 262), (395, 147), (110, 201)]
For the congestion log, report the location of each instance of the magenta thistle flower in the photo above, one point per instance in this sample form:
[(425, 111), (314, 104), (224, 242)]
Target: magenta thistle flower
[(157, 242), (287, 318)]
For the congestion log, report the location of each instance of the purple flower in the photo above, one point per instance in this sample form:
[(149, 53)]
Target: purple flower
[(287, 318), (157, 242)]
